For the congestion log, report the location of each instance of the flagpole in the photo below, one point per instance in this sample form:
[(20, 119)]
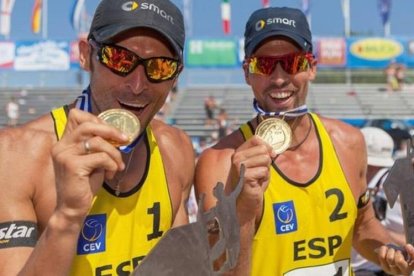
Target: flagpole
[(188, 16), (346, 11), (387, 29), (44, 19), (347, 17)]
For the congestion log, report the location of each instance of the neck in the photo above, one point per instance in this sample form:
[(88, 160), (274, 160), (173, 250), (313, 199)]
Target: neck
[(301, 131)]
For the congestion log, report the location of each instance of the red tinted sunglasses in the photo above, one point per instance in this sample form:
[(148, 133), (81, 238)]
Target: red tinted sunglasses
[(122, 62), (291, 63)]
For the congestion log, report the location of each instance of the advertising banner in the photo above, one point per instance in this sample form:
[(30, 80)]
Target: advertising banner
[(331, 52), (374, 53), (211, 53), (42, 56)]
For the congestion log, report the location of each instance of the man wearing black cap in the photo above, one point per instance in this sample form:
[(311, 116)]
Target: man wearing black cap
[(90, 188), (304, 201)]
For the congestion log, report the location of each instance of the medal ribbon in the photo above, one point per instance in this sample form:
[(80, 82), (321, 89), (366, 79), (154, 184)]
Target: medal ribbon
[(83, 102), (295, 112)]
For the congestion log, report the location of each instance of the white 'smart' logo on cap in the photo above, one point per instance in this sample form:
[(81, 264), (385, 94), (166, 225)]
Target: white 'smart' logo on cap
[(132, 5), (284, 21)]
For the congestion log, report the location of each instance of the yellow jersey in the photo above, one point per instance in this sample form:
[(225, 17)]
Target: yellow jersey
[(306, 228), (119, 231)]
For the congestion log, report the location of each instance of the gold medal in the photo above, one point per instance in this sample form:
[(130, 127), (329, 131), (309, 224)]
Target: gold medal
[(124, 121), (276, 133)]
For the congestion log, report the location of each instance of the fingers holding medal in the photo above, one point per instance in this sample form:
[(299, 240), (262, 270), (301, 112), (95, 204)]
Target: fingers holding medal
[(276, 132), (123, 120)]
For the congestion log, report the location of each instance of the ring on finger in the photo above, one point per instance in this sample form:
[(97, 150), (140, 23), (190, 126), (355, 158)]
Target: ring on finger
[(87, 146)]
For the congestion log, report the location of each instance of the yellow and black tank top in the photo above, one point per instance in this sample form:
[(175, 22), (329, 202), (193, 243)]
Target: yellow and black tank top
[(307, 228), (120, 230)]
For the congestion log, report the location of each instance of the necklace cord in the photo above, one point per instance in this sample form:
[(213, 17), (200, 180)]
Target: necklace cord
[(304, 138), (117, 185)]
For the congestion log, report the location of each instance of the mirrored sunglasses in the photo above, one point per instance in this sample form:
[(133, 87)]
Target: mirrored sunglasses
[(122, 62), (291, 63)]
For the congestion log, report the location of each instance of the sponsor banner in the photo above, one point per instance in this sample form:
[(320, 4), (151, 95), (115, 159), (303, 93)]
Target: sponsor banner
[(331, 52), (42, 55), (409, 53), (375, 52), (7, 55), (211, 53)]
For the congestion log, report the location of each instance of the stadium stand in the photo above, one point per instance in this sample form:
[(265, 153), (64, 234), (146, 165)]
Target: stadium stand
[(354, 104), (34, 102)]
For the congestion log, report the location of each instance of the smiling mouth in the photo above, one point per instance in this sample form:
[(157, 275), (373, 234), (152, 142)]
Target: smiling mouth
[(281, 95), (134, 107)]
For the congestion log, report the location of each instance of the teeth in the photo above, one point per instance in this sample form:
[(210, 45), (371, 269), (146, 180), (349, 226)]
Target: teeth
[(281, 95), (133, 105)]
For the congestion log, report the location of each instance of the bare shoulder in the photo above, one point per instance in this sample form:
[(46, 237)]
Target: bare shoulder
[(343, 134), (176, 149), (172, 140), (27, 141), (214, 163), (350, 148), (223, 150)]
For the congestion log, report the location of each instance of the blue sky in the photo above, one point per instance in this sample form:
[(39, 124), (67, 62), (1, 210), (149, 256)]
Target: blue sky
[(326, 19)]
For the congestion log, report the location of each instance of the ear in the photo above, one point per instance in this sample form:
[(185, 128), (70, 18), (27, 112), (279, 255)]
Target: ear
[(313, 69), (246, 72), (85, 54), (180, 69)]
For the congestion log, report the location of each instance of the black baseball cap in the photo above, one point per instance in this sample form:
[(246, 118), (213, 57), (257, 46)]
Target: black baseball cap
[(113, 17), (274, 21)]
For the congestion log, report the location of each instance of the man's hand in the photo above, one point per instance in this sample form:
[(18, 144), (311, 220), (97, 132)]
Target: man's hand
[(82, 159), (257, 156), (397, 261)]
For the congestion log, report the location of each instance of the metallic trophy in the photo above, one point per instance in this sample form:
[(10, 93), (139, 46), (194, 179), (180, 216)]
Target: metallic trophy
[(186, 250), (400, 182)]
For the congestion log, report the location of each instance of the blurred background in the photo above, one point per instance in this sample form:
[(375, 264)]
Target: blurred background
[(365, 53)]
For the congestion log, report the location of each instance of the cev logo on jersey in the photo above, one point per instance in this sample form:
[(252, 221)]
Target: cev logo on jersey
[(133, 5), (93, 235), (261, 24), (285, 217)]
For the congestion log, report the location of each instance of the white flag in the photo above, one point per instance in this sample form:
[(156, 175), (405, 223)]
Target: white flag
[(5, 16)]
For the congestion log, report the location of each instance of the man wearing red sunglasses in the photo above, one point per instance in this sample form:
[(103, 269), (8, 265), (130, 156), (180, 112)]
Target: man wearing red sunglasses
[(304, 202), (71, 201)]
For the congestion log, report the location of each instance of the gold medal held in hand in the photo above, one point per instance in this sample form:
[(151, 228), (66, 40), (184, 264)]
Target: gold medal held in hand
[(276, 133), (124, 121)]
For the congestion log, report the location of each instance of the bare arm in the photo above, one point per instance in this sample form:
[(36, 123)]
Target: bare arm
[(22, 168), (179, 157), (349, 143), (370, 236), (78, 176)]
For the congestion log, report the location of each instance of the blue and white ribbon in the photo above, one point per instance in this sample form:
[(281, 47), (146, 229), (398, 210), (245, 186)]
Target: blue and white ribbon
[(295, 112), (83, 102)]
